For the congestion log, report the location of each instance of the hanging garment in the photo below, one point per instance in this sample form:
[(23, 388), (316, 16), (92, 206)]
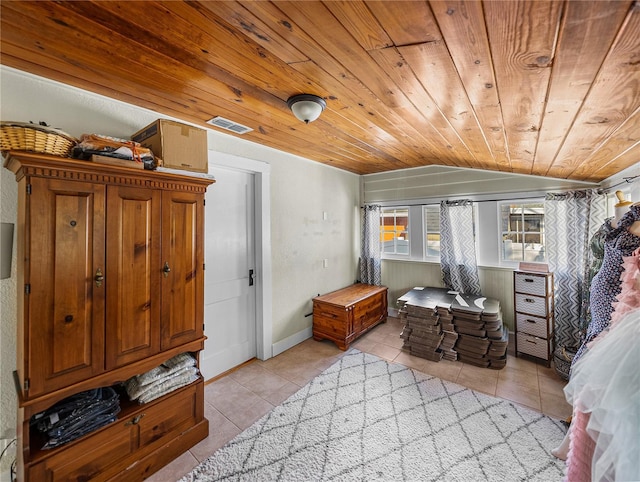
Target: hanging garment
[(629, 297), (606, 284), (605, 430)]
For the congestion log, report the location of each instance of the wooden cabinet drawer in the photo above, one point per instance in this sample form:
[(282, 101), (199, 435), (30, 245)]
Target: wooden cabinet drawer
[(532, 345), (533, 325), (139, 431), (86, 461), (533, 305), (164, 419)]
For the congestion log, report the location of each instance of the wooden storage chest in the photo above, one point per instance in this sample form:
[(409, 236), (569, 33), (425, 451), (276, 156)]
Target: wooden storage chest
[(345, 314)]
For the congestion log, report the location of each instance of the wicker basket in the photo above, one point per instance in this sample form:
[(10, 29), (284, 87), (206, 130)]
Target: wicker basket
[(562, 358), (22, 136)]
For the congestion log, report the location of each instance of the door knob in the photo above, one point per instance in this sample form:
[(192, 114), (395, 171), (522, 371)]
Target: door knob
[(166, 270)]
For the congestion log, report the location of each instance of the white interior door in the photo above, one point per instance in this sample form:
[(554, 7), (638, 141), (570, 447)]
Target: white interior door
[(230, 293)]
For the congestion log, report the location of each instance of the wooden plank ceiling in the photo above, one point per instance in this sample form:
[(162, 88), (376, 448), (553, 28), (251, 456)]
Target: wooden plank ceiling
[(550, 88)]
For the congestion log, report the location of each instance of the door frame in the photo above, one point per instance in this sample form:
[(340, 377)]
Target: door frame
[(262, 230)]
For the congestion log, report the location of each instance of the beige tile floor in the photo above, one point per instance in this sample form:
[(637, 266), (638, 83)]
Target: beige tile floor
[(235, 401)]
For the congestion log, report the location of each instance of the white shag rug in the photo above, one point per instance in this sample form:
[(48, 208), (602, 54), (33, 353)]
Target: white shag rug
[(366, 419)]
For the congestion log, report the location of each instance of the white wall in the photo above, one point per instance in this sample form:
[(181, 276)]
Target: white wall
[(8, 306), (301, 190), (435, 183)]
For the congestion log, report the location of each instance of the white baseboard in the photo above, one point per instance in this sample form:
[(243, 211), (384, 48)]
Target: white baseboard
[(291, 341)]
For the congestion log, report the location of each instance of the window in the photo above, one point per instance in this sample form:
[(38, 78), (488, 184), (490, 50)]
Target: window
[(394, 231), (432, 231), (522, 230)]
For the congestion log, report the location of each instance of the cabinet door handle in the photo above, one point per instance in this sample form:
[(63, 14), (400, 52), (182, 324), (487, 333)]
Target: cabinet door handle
[(99, 278), (135, 420), (166, 270)]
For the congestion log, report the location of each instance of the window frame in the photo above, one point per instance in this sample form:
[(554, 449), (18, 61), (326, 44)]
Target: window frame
[(521, 232), (426, 232), (396, 254), (416, 233)]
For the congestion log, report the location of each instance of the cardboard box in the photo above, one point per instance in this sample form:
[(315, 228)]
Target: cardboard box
[(180, 146)]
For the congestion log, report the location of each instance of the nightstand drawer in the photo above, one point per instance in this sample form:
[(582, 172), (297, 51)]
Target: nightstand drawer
[(533, 305), (533, 325), (534, 346)]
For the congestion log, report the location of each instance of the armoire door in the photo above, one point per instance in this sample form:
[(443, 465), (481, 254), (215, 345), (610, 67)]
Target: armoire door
[(182, 275), (132, 277), (65, 283)]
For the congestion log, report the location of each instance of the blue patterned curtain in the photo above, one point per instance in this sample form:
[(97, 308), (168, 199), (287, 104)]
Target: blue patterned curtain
[(370, 265), (571, 220), (458, 247)]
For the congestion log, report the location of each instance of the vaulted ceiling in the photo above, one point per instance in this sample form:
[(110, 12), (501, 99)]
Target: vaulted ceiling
[(550, 88)]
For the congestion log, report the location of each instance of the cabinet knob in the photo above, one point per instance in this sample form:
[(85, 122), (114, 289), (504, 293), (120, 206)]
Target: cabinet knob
[(99, 278), (135, 420), (166, 270)]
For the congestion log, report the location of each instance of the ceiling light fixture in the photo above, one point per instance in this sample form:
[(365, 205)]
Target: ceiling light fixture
[(306, 107)]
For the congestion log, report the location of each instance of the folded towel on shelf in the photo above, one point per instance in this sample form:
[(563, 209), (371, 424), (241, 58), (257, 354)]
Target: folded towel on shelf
[(170, 375), (169, 385)]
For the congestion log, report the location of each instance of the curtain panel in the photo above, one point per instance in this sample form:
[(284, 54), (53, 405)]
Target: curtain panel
[(458, 247), (370, 262), (571, 221)]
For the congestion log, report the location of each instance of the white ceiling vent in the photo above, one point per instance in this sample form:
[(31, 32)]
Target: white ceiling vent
[(229, 125)]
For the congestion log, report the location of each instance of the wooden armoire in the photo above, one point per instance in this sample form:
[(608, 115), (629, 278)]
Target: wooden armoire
[(111, 285)]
